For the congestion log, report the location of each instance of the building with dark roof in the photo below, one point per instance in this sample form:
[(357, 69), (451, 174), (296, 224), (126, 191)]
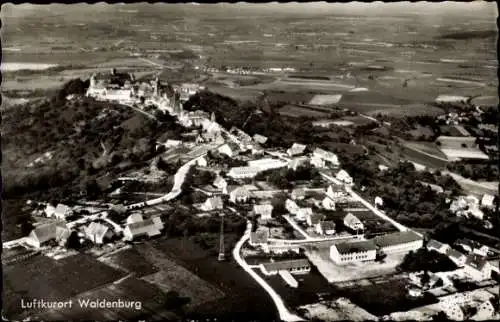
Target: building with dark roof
[(399, 242), (353, 251), (457, 257), (477, 268), (294, 266), (437, 246)]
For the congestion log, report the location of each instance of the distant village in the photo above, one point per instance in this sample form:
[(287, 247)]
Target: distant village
[(324, 216)]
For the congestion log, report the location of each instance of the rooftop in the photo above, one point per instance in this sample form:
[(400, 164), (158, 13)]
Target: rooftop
[(355, 247), (286, 265), (401, 237)]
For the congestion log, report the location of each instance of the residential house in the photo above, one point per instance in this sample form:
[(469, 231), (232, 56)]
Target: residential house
[(472, 246), (317, 162), (201, 162), (352, 222), (49, 210), (243, 172), (344, 177), (438, 246), (326, 156), (298, 194), (133, 218), (265, 211), (328, 203), (336, 192), (259, 237), (399, 242), (378, 202), (149, 227), (477, 268), (457, 257), (239, 194), (353, 251), (454, 312), (296, 149), (260, 139), (296, 163), (98, 233), (220, 183), (62, 211), (303, 213), (267, 164), (229, 149), (257, 149), (325, 227), (313, 219), (294, 266), (485, 311), (488, 201), (291, 207), (56, 231), (212, 203)]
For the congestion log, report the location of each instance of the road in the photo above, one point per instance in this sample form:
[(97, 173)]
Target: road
[(284, 313)]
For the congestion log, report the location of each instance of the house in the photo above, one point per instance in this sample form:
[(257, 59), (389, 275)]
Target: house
[(260, 139), (267, 164), (336, 192), (243, 172), (343, 176), (457, 257), (229, 149), (291, 207), (488, 201), (296, 149), (259, 237), (220, 183), (56, 231), (477, 268), (239, 194), (399, 242), (313, 219), (352, 222), (325, 227), (378, 202), (352, 252), (62, 211), (317, 162), (201, 162), (49, 210), (149, 227), (97, 232), (133, 218), (438, 246), (326, 156), (485, 311), (303, 213), (212, 203), (472, 246), (296, 163), (298, 194), (454, 312), (265, 211), (257, 149), (294, 266), (328, 203)]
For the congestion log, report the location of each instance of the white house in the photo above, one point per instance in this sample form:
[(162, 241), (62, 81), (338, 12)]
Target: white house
[(352, 252), (438, 246), (326, 156), (260, 139), (296, 149), (133, 218), (325, 227), (55, 231), (488, 201), (379, 202), (212, 203), (353, 222), (485, 311), (62, 211), (343, 176), (220, 183), (243, 172), (202, 162), (399, 242), (303, 213), (291, 206), (239, 194), (296, 163), (336, 192), (477, 268), (265, 211), (317, 162), (298, 194), (97, 232), (149, 227), (49, 210), (328, 203), (267, 164), (294, 266), (457, 257), (230, 150)]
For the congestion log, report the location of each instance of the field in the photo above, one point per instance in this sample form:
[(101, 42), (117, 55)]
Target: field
[(131, 261), (42, 277), (298, 111), (423, 158)]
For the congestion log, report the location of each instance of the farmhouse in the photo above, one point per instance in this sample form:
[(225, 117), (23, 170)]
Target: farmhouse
[(438, 246), (56, 231), (352, 222), (351, 252), (149, 227), (294, 266), (325, 227), (399, 242), (265, 211), (296, 149), (477, 268), (97, 233), (62, 211), (243, 172), (212, 203)]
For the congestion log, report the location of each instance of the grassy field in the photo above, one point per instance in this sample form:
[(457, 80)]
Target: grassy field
[(298, 111), (131, 261)]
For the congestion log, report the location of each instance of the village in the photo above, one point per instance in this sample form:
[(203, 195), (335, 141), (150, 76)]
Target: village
[(302, 210)]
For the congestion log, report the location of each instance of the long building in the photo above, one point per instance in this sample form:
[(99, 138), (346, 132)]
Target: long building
[(399, 242), (352, 252)]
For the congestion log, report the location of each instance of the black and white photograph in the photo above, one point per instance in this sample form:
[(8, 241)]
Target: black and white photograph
[(313, 161)]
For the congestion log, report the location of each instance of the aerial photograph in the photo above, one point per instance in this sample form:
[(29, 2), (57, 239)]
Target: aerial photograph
[(250, 162)]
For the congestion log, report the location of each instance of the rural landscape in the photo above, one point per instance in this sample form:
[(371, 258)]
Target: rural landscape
[(250, 162)]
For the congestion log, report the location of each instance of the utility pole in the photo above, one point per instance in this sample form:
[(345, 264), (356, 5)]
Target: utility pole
[(222, 255)]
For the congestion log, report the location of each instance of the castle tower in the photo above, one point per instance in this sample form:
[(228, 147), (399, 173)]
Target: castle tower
[(212, 117), (222, 255), (92, 81)]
